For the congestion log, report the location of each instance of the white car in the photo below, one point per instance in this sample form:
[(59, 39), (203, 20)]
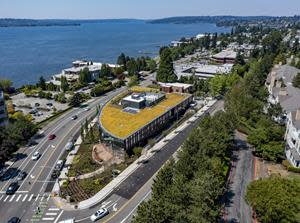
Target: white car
[(99, 214), (36, 156), (87, 108)]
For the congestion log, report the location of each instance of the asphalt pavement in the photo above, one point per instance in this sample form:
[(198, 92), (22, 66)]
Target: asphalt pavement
[(36, 187)]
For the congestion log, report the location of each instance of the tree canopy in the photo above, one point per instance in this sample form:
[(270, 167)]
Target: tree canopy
[(275, 199), (165, 72)]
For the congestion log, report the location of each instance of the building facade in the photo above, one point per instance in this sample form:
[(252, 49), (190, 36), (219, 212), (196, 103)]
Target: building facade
[(3, 112), (292, 137)]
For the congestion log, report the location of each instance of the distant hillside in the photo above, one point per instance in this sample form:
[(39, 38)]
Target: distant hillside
[(222, 20), (8, 22)]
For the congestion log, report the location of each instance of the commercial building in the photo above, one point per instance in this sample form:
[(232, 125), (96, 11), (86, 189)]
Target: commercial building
[(175, 87), (204, 71), (225, 56), (130, 119), (3, 112), (281, 90)]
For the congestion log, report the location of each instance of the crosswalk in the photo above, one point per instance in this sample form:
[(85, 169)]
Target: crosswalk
[(51, 214), (21, 197)]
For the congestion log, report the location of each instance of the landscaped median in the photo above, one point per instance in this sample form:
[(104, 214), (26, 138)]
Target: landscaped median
[(98, 183)]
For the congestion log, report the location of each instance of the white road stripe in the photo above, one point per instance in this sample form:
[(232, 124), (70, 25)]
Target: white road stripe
[(48, 197), (37, 197), (11, 199), (30, 198), (1, 197), (24, 198), (58, 216), (51, 214), (42, 198), (19, 197), (53, 209), (6, 198), (47, 219)]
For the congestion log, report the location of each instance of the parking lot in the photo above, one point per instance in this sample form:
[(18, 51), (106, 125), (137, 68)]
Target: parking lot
[(40, 109)]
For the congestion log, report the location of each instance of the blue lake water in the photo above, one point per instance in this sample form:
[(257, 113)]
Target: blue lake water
[(26, 53)]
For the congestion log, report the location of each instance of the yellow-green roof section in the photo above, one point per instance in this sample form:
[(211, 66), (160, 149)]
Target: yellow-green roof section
[(122, 124)]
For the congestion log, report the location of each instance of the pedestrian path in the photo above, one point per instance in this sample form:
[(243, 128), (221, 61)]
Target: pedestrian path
[(24, 197)]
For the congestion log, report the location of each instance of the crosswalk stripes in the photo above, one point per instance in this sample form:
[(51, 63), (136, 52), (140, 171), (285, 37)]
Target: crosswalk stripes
[(44, 198), (51, 214)]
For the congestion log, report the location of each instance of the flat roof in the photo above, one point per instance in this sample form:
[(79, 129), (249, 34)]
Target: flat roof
[(226, 54), (122, 124)]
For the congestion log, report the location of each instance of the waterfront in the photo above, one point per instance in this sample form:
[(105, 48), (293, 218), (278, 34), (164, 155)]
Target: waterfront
[(29, 52)]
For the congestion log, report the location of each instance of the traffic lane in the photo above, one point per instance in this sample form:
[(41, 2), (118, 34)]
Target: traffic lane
[(27, 164), (53, 152), (67, 134), (112, 203), (129, 208)]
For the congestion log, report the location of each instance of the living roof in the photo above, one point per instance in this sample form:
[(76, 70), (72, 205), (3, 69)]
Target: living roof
[(122, 124)]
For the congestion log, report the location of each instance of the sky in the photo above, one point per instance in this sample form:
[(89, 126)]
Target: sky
[(142, 9)]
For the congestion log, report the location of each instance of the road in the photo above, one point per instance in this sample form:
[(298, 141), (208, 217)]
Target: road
[(34, 190), (241, 174), (124, 200)]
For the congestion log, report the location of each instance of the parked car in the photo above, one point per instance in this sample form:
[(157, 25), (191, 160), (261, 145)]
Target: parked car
[(87, 108), (8, 174), (69, 146), (36, 156), (74, 117), (12, 188), (51, 137), (99, 214), (49, 104), (37, 104), (21, 176), (14, 220)]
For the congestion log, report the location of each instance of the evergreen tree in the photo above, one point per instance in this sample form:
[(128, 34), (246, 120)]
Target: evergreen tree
[(165, 72), (64, 85), (42, 83)]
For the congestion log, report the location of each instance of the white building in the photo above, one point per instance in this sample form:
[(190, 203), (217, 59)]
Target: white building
[(3, 112), (281, 90), (292, 137), (203, 71), (72, 73)]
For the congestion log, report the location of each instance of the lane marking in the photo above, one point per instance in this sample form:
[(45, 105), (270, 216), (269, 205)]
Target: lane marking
[(42, 198), (6, 198), (51, 214), (1, 197), (19, 197), (37, 197), (49, 196), (11, 199), (25, 197), (30, 198), (58, 216), (53, 209), (135, 207), (47, 219)]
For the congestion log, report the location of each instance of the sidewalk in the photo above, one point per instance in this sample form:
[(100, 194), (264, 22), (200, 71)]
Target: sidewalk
[(109, 188)]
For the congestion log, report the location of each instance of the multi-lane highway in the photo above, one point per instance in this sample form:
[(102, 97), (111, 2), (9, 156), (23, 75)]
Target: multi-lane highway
[(36, 187)]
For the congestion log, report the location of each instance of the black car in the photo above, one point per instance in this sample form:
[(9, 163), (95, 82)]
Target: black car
[(14, 220), (74, 117), (13, 187)]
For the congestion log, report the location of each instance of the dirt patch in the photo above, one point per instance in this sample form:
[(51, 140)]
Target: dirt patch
[(104, 154), (265, 169)]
